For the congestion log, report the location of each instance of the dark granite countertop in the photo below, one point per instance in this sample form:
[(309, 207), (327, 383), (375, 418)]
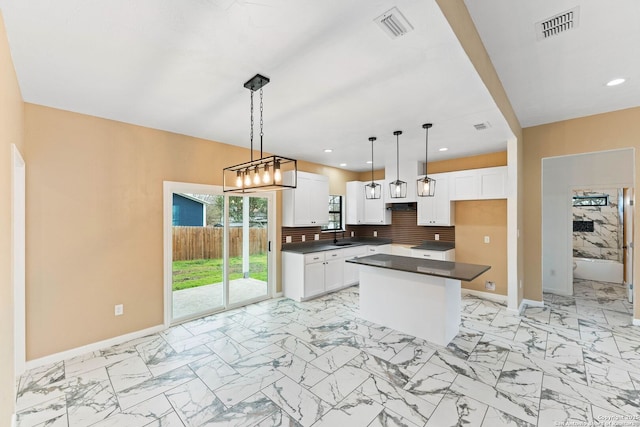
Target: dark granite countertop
[(435, 245), (327, 245), (447, 269)]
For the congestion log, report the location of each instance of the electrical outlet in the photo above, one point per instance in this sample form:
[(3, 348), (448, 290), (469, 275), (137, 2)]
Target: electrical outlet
[(490, 286), (118, 310), (287, 239), (316, 237), (487, 239), (304, 238), (520, 283), (437, 236), (375, 234), (353, 234)]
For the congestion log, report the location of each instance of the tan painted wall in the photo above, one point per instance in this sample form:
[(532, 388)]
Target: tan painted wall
[(618, 129), (11, 132), (94, 221), (474, 220), (478, 218)]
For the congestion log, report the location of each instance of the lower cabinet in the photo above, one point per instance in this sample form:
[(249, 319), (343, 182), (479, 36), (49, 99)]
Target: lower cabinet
[(305, 276), (378, 249), (449, 255)]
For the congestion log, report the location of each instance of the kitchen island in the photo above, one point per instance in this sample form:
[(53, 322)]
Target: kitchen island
[(420, 297)]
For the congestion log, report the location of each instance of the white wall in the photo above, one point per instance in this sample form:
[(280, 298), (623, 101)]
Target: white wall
[(560, 176)]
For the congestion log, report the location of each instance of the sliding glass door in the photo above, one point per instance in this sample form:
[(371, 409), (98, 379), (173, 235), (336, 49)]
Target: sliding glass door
[(248, 243), (219, 251)]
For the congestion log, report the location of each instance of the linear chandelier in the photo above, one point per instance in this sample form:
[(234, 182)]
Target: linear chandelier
[(266, 173)]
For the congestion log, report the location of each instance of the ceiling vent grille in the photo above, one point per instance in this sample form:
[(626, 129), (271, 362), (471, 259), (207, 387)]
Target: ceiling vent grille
[(558, 24), (482, 126), (393, 23)]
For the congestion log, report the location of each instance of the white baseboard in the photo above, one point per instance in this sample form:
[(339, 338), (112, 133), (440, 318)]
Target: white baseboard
[(486, 295), (278, 295), (530, 303), (636, 322), (78, 351)]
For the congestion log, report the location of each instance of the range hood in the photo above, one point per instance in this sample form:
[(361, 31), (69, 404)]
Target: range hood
[(404, 207)]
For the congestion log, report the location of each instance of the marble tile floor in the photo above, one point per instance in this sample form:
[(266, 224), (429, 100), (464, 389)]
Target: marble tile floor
[(575, 361)]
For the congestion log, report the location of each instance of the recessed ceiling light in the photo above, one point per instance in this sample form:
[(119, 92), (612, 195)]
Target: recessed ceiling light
[(443, 149), (616, 82), (369, 162), (343, 164), (328, 150)]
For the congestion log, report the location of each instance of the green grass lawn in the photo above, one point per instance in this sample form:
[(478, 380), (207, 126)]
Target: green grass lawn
[(199, 272)]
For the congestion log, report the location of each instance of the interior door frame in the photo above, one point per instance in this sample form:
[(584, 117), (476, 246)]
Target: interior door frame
[(171, 187)]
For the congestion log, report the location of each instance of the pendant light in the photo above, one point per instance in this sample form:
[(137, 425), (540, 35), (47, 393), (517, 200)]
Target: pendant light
[(265, 173), (426, 185), (397, 188), (372, 190)]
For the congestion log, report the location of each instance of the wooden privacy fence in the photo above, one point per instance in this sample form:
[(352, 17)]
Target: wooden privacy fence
[(207, 242)]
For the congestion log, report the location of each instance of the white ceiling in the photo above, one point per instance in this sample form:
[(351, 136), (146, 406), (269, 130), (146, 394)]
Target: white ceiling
[(336, 77), (563, 76)]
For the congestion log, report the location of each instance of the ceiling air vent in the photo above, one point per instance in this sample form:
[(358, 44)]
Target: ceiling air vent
[(394, 23), (482, 126), (557, 24)]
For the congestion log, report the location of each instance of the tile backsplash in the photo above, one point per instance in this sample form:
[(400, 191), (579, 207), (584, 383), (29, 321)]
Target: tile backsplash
[(404, 230)]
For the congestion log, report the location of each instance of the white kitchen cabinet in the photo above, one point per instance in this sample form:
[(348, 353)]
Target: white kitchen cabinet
[(309, 275), (351, 271), (437, 210), (355, 203), (437, 255), (361, 210), (375, 211), (478, 184), (378, 249), (401, 250), (333, 274), (493, 182), (307, 204), (313, 275)]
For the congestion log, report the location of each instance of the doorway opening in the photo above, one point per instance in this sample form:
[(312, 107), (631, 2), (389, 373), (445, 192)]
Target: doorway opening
[(217, 250), (601, 220), (592, 178)]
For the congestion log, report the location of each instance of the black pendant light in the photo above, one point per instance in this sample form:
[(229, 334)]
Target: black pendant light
[(265, 173), (372, 190), (397, 188), (426, 185)]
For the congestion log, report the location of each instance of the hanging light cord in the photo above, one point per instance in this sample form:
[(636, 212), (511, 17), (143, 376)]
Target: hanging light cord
[(261, 124), (251, 132), (426, 148), (372, 139), (397, 157)]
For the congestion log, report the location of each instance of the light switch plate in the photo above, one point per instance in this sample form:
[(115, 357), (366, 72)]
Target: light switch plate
[(487, 239)]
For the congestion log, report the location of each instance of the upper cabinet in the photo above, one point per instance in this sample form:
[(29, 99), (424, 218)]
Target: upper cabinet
[(437, 210), (308, 204), (355, 203), (361, 210), (478, 184)]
